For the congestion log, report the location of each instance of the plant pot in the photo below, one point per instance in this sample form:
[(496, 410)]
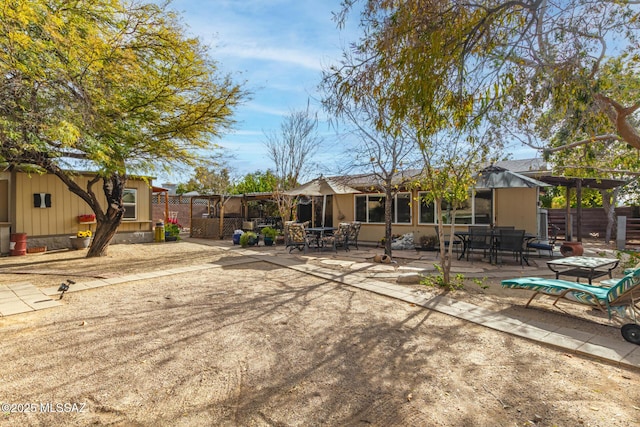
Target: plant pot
[(170, 238), (568, 249), (80, 242), (37, 250), (268, 241)]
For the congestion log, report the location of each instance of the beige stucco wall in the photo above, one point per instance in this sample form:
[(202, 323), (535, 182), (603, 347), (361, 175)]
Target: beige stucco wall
[(513, 206), (62, 217), (517, 207)]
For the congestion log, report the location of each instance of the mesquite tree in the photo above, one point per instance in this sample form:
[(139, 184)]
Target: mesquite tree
[(115, 88)]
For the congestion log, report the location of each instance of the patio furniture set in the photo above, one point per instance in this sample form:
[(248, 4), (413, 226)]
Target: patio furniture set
[(300, 236), (495, 241)]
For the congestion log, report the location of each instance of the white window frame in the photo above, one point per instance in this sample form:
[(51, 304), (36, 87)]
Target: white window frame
[(395, 206), (472, 196), (134, 191)]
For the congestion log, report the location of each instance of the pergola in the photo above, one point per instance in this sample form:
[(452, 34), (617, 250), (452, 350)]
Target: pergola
[(158, 190), (579, 184)]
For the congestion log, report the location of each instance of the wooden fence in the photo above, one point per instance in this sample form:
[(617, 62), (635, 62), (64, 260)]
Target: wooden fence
[(594, 222)]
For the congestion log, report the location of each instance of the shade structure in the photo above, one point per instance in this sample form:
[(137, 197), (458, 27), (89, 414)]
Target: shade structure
[(321, 187), (497, 177)]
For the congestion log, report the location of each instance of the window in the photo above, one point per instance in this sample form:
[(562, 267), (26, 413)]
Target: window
[(129, 200), (483, 202), (474, 210), (370, 208), (401, 208)]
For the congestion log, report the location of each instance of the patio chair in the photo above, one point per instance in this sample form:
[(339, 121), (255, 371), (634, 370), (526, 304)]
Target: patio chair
[(354, 230), (511, 241), (296, 237), (549, 245), (480, 238), (622, 298), (340, 237)]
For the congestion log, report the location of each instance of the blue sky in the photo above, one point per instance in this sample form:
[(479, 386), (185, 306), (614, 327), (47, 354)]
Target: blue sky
[(279, 47)]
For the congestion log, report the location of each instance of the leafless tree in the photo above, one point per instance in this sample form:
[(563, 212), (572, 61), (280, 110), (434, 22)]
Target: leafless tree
[(387, 154), (291, 150)]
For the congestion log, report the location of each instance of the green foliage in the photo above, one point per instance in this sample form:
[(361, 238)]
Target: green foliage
[(248, 238), (438, 280), (117, 88), (628, 259), (207, 180), (257, 182), (481, 282), (172, 230), (591, 198), (269, 232)]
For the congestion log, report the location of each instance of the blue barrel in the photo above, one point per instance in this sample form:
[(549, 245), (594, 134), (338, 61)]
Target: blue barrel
[(236, 237)]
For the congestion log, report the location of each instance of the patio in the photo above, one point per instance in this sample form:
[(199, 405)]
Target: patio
[(216, 334)]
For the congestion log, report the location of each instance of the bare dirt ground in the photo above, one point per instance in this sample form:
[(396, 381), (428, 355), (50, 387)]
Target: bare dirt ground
[(255, 344)]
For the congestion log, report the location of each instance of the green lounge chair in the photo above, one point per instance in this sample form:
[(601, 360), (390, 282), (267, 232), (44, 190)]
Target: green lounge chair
[(622, 298)]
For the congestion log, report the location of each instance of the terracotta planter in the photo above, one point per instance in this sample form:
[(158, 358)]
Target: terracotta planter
[(571, 249)]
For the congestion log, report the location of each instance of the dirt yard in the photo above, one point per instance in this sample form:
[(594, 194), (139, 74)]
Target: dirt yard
[(254, 344)]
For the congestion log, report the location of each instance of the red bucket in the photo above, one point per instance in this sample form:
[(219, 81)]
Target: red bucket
[(18, 244)]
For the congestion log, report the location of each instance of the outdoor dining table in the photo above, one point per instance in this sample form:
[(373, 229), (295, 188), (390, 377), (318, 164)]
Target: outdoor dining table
[(583, 267), (495, 242)]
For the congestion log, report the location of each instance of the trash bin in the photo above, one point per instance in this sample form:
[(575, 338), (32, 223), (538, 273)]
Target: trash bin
[(236, 236), (159, 235), (18, 244)]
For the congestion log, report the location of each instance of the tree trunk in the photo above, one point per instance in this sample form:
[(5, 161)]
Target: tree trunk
[(107, 222), (387, 219), (609, 199), (445, 255), (221, 220), (105, 230)]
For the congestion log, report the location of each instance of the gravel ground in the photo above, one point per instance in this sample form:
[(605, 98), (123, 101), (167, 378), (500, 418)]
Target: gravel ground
[(254, 344)]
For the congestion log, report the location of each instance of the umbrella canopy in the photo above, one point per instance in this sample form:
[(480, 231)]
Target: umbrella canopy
[(321, 187), (497, 177)]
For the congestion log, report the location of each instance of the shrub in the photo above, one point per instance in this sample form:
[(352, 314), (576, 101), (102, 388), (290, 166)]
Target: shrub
[(248, 238), (269, 232)]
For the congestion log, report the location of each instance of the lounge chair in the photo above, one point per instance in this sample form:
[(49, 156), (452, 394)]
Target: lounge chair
[(622, 298)]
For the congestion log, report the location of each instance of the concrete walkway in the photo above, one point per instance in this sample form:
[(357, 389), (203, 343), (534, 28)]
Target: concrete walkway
[(23, 297)]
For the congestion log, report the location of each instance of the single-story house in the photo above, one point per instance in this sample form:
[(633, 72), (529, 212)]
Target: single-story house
[(513, 206), (42, 207)]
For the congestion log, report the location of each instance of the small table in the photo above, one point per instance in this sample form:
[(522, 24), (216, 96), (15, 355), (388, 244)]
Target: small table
[(582, 266), (319, 232)]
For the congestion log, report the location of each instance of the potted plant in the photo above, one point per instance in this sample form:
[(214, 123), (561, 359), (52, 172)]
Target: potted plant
[(81, 240), (248, 239), (171, 232), (86, 218), (269, 234)]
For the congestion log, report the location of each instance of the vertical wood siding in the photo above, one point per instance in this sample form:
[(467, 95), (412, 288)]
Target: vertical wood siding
[(62, 216)]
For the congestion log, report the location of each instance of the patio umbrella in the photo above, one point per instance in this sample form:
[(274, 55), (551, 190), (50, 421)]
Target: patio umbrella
[(321, 187), (497, 177)]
